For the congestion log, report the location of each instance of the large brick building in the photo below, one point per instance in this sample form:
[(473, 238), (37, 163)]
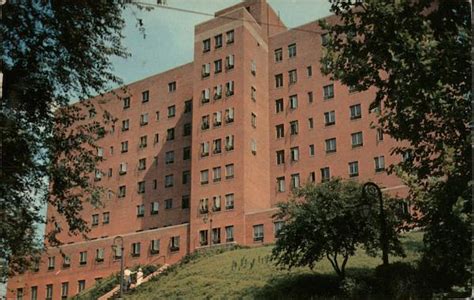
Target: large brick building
[(201, 154)]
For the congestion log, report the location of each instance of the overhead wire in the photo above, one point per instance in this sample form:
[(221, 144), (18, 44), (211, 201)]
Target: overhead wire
[(223, 17)]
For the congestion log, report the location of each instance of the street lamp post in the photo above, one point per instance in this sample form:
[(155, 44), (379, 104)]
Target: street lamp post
[(372, 189), (118, 242)]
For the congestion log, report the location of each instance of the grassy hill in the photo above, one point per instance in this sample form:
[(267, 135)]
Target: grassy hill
[(248, 273)]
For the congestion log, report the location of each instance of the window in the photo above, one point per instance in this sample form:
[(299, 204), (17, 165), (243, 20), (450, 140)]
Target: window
[(143, 141), (19, 294), (279, 80), (206, 45), (353, 169), (229, 143), (330, 145), (123, 168), (229, 62), (229, 201), (292, 50), (328, 91), (357, 140), (325, 39), (141, 187), (125, 125), (218, 92), (170, 134), (229, 115), (157, 115), (109, 172), (253, 146), (230, 37), (34, 293), (329, 118), (356, 112), (99, 255), (229, 88), (155, 184), (258, 232), (81, 285), (278, 55), (253, 120), (229, 171), (172, 86), (51, 260), (126, 102), (49, 292), (205, 96), (216, 200), (312, 176), (171, 111), (277, 226), (294, 127), (216, 235), (293, 101), (83, 258), (294, 154), (186, 177), (309, 71), (292, 77), (100, 152), (217, 146), (185, 202), (142, 164), (279, 105), (98, 175), (205, 122), (218, 41), (280, 131), (204, 176), (217, 119), (229, 234), (188, 106), (186, 153), (379, 163), (295, 181), (325, 174), (310, 97), (203, 234), (206, 70), (66, 261), (253, 68), (187, 128), (174, 245), (144, 119), (280, 156), (136, 249), (310, 123), (253, 94), (379, 135), (168, 203), (311, 150), (169, 181), (124, 147), (122, 191), (203, 206), (204, 149), (281, 184), (95, 220), (154, 246), (106, 217), (155, 207), (216, 174), (218, 66), (145, 96)]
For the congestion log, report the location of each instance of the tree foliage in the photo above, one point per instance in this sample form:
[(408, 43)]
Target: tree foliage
[(331, 220), (52, 52), (417, 56)]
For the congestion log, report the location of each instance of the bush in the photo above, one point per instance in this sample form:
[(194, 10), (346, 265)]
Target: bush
[(397, 280)]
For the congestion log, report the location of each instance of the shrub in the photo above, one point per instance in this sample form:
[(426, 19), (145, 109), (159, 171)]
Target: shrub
[(397, 280)]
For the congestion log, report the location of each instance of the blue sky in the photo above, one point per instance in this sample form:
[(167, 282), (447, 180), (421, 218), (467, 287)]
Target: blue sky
[(169, 37)]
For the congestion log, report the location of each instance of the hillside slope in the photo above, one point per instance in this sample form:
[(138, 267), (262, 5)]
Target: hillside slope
[(249, 273)]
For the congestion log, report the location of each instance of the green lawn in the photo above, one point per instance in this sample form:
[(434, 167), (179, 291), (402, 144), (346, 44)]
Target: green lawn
[(248, 274)]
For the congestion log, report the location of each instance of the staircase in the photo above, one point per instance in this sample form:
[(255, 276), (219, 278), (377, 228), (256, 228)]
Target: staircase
[(115, 291)]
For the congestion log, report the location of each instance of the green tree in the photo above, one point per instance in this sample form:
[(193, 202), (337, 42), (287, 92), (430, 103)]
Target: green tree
[(331, 220), (417, 56), (52, 52)]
